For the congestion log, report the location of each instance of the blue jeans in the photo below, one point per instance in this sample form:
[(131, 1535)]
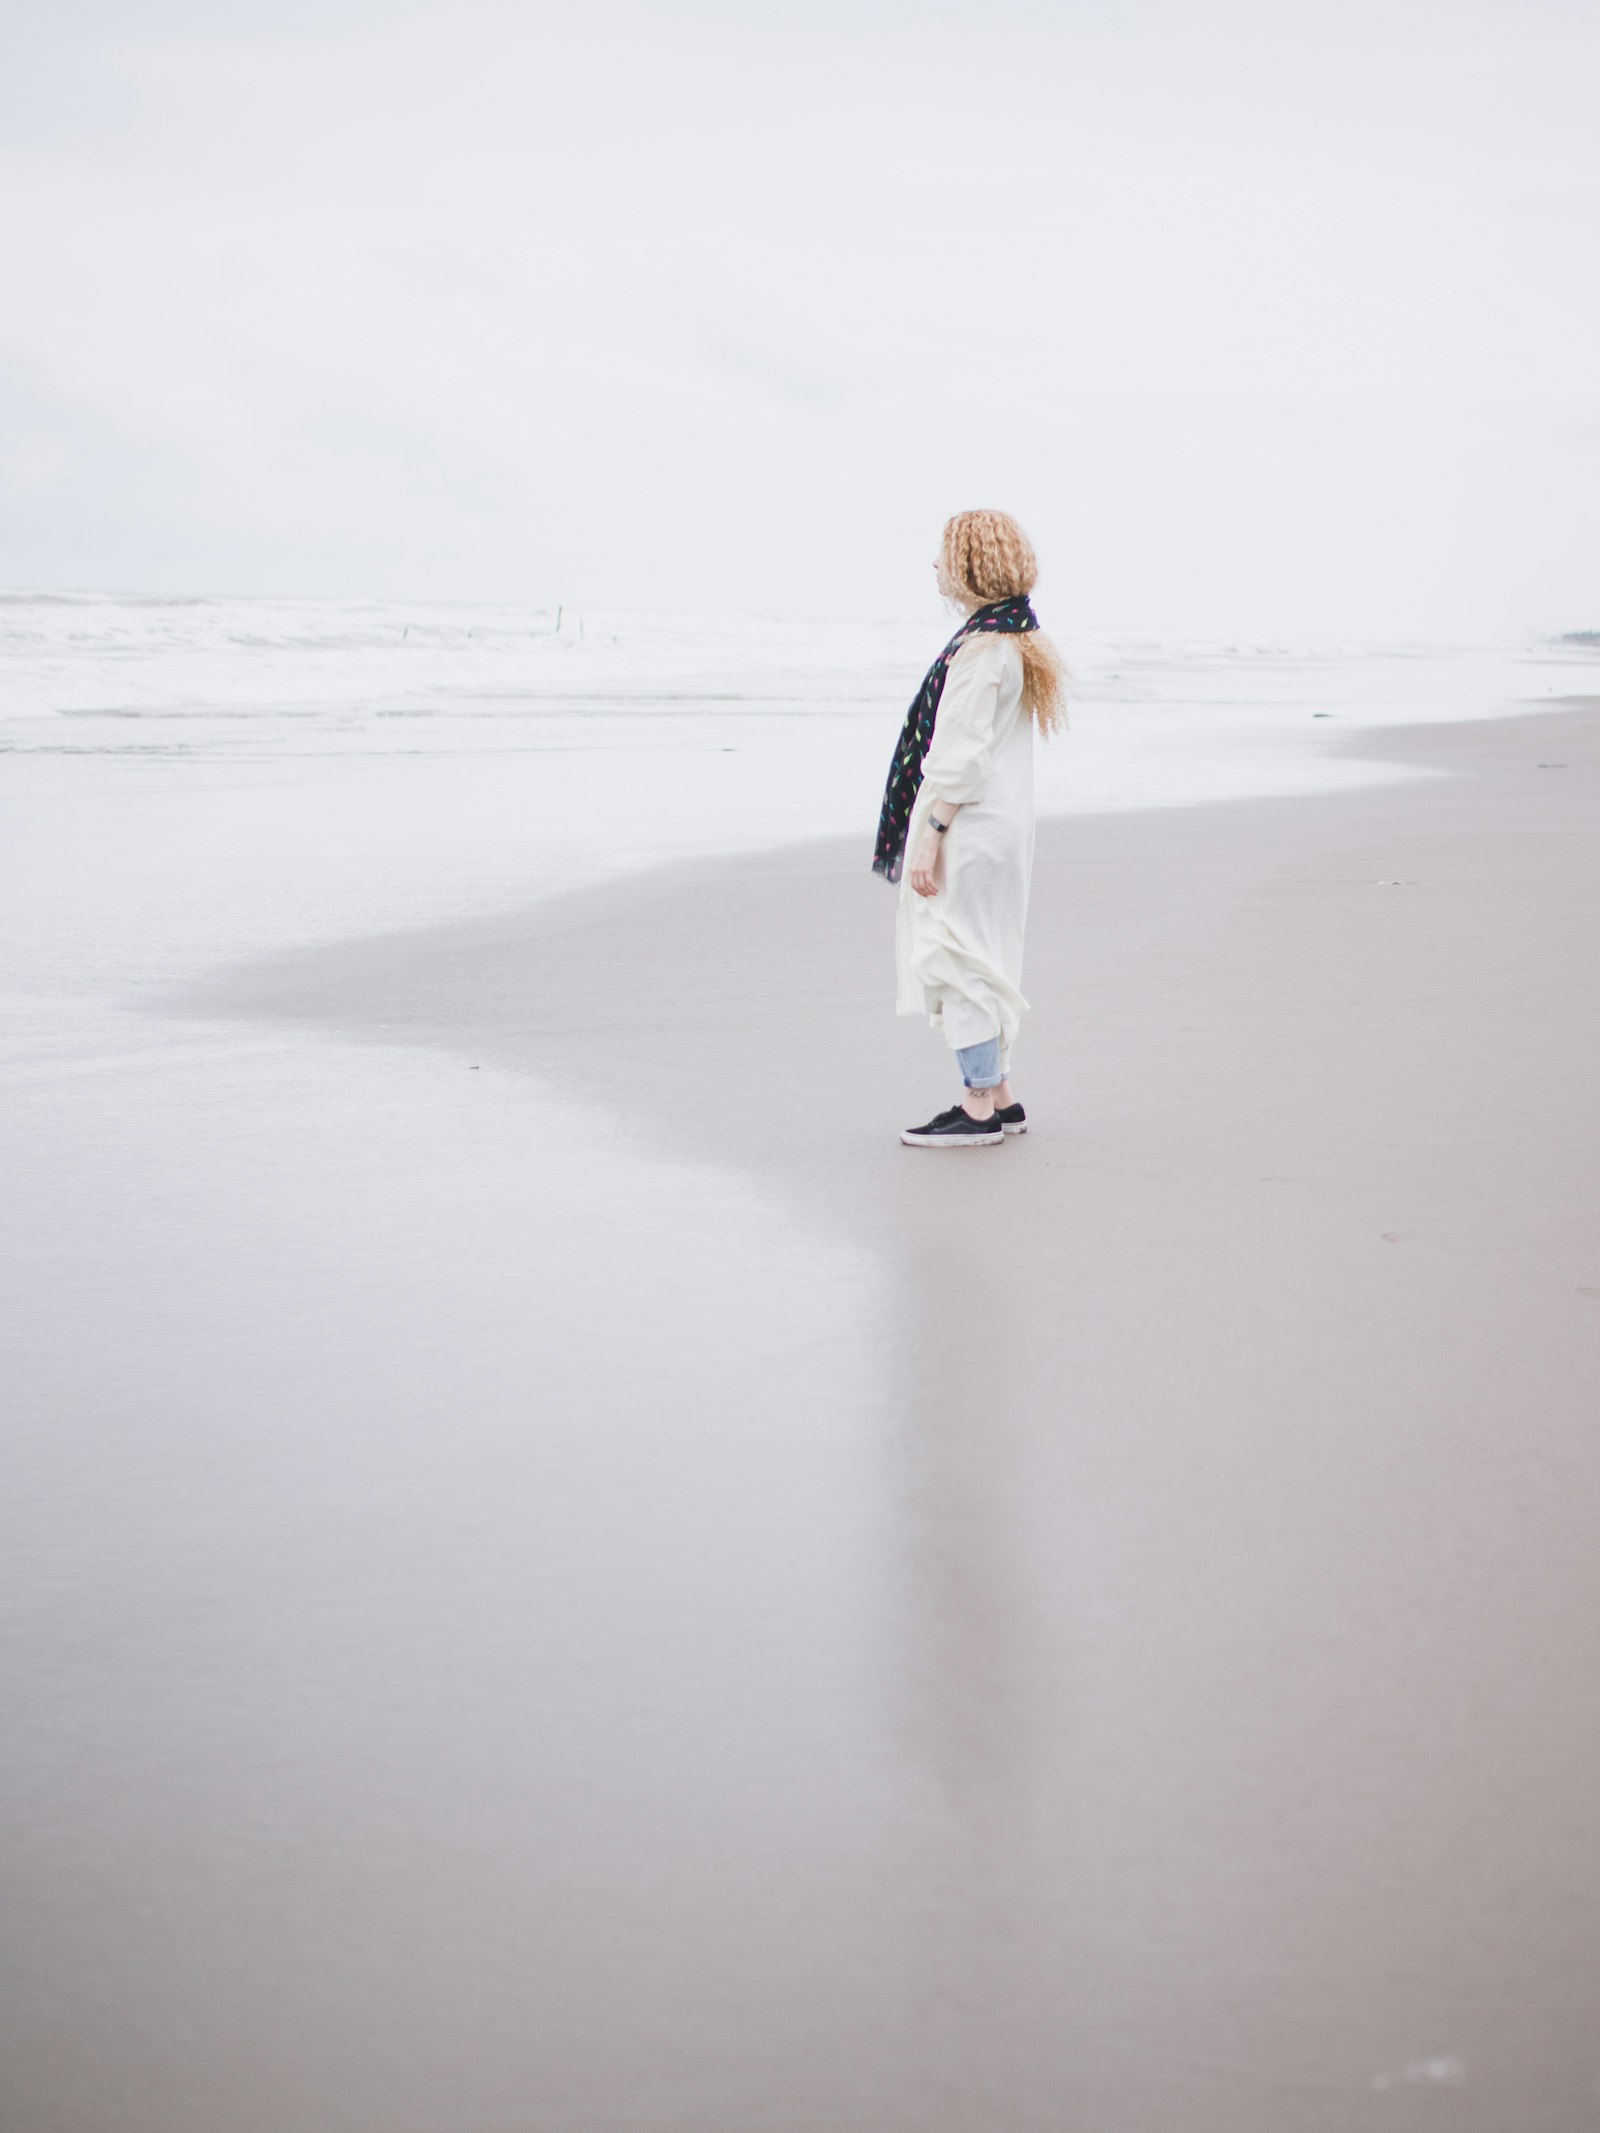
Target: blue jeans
[(980, 1064)]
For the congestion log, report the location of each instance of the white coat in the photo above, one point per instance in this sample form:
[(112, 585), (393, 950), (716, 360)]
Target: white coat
[(959, 951)]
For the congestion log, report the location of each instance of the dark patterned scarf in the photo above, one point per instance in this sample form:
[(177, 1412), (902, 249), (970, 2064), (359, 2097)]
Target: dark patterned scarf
[(905, 771)]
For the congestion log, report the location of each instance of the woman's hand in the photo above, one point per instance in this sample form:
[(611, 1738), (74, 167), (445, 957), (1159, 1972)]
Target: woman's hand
[(925, 864)]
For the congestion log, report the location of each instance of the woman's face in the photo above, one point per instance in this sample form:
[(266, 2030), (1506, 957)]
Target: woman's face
[(941, 578)]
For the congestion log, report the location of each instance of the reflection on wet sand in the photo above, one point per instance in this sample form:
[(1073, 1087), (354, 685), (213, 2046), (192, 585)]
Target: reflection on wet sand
[(975, 1687)]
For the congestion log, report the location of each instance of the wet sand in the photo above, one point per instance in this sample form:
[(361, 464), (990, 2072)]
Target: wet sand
[(1241, 1698)]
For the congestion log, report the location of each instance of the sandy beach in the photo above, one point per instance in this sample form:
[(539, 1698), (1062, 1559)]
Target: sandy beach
[(1099, 1634), (1221, 1748)]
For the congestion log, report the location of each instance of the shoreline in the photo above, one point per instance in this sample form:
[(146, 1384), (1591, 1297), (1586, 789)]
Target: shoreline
[(526, 987)]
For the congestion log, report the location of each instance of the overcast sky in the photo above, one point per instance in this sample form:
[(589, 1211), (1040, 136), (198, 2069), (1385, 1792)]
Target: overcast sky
[(1282, 320)]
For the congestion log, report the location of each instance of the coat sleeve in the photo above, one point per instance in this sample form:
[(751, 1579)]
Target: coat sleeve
[(957, 764)]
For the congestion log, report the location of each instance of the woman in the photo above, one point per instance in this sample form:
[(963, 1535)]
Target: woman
[(960, 801)]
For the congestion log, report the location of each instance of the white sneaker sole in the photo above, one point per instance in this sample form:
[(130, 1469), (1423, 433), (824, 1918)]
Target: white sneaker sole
[(952, 1140), (1015, 1129)]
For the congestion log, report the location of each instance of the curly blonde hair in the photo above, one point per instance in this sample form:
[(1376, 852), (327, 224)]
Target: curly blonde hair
[(984, 556)]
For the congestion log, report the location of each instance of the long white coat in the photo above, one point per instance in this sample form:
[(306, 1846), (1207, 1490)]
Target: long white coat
[(959, 951)]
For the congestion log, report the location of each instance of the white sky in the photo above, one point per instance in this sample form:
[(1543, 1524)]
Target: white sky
[(1276, 320)]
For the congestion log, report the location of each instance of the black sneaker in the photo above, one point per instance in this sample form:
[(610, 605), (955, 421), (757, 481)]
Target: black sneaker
[(1013, 1119), (956, 1128)]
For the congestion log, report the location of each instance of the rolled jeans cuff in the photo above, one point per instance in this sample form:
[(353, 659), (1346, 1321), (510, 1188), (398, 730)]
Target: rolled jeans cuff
[(980, 1064)]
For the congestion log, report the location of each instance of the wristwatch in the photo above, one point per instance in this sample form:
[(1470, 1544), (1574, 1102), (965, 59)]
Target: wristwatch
[(935, 824)]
